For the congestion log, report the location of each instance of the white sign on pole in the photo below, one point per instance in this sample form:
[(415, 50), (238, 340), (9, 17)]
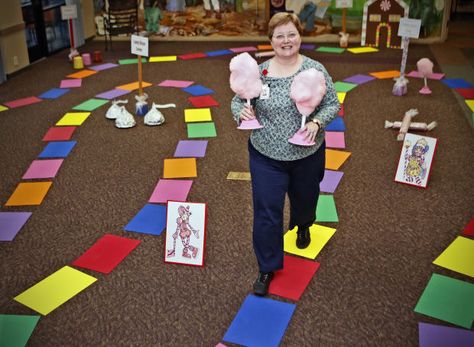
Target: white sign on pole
[(140, 45), (343, 3), (69, 12), (409, 28)]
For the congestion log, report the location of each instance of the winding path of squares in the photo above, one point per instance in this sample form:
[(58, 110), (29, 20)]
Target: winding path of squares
[(447, 299)]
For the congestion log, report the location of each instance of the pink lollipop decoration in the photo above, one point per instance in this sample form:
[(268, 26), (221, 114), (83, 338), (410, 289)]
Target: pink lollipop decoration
[(425, 68), (245, 82), (307, 90)]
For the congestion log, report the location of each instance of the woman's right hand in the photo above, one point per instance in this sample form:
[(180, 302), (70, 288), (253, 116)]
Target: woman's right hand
[(247, 113)]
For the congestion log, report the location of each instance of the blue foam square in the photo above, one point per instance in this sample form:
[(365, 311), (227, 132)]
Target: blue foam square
[(336, 125), (198, 90), (151, 219), (217, 53), (57, 149), (54, 93), (457, 83), (260, 322)]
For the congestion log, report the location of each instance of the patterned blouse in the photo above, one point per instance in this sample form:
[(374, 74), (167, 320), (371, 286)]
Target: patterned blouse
[(280, 117)]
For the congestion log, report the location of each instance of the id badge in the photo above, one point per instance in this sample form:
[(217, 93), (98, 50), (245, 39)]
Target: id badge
[(265, 94)]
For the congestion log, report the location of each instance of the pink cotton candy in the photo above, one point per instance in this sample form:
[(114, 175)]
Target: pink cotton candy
[(245, 76), (307, 90), (425, 67)]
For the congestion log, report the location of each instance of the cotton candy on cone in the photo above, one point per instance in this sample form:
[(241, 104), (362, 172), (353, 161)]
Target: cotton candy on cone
[(307, 90), (245, 76), (425, 67)]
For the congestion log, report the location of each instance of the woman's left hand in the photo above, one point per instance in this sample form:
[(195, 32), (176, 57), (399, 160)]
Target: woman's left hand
[(312, 130)]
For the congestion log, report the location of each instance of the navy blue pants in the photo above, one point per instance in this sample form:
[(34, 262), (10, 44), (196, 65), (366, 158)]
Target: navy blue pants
[(271, 181)]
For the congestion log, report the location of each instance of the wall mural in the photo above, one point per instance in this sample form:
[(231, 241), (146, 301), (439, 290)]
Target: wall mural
[(248, 18)]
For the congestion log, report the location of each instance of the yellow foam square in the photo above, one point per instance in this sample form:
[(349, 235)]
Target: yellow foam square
[(54, 290), (3, 108), (334, 159), (73, 118), (385, 74), (320, 235), (82, 74), (29, 193), (239, 176), (181, 167), (470, 104), (341, 96), (197, 115), (133, 86), (459, 256), (162, 58), (357, 50)]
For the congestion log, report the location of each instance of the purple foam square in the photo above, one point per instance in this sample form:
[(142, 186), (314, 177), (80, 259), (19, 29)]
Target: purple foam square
[(103, 66), (112, 94), (359, 79), (431, 335), (191, 149), (307, 46), (331, 181), (11, 223)]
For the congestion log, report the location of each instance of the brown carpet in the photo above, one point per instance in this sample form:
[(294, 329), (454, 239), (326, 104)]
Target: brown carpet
[(372, 271)]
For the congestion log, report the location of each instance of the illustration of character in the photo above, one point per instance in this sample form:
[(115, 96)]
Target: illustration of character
[(184, 230), (415, 167)]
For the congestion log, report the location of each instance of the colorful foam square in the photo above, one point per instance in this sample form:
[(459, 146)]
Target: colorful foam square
[(43, 169), (29, 194), (55, 290), (337, 124), (131, 61), (341, 97), (469, 228), (180, 168), (175, 83), (203, 101), (72, 83), (457, 83), (16, 330), (243, 49), (82, 74), (90, 105), (191, 56), (470, 104), (341, 110), (106, 253), (59, 133), (359, 79), (326, 210), (308, 46), (324, 49), (196, 130), (239, 176), (73, 118), (54, 93), (112, 94), (103, 67), (386, 74), (151, 219), (344, 86), (197, 90), (197, 115), (22, 102), (466, 93), (320, 236), (133, 86), (163, 58), (3, 108), (431, 335), (11, 223), (358, 50), (266, 330), (292, 280), (433, 76), (448, 299), (459, 256), (219, 52), (264, 47), (59, 149), (335, 139), (335, 159), (330, 181), (176, 190), (191, 148)]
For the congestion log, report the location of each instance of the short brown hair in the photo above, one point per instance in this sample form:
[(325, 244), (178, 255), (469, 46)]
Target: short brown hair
[(282, 18)]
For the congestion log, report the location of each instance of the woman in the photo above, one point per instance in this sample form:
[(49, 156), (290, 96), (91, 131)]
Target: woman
[(278, 167)]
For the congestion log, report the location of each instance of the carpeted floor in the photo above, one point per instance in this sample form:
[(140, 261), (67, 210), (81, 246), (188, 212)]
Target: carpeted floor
[(372, 272)]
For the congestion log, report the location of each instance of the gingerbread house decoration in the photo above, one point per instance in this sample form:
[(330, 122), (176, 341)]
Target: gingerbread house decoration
[(380, 24)]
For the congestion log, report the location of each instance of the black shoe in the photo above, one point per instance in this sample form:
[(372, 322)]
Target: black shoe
[(303, 238), (261, 284)]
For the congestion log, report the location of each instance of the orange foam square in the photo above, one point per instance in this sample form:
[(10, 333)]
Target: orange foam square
[(181, 167), (133, 86), (82, 74), (29, 193)]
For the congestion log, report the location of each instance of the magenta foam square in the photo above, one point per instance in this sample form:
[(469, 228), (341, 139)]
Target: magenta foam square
[(176, 190), (47, 168)]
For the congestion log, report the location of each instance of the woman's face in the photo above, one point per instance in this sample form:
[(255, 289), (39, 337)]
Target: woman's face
[(286, 40)]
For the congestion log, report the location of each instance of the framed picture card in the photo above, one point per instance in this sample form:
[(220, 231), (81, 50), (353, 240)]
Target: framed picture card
[(415, 161), (185, 233)]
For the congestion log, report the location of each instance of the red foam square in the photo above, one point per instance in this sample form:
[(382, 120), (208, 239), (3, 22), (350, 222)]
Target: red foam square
[(106, 253), (467, 93), (341, 111), (191, 56), (59, 133), (292, 280), (203, 101), (469, 228)]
